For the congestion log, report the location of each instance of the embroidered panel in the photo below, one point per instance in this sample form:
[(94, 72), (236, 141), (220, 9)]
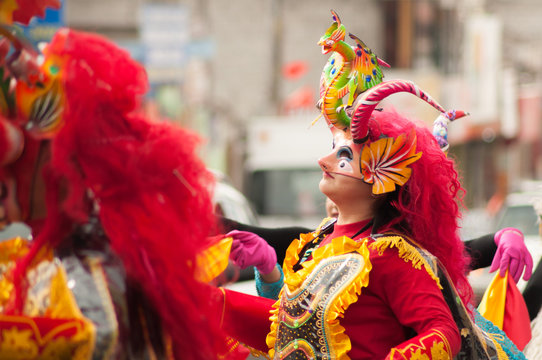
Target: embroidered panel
[(303, 330)]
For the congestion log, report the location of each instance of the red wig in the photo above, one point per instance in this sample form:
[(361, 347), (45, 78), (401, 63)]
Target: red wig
[(152, 191), (427, 206)]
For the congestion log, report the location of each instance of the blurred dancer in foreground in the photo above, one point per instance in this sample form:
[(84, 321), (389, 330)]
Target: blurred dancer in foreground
[(119, 207)]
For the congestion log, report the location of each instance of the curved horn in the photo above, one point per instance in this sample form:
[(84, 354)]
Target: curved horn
[(367, 102), (335, 17), (440, 126)]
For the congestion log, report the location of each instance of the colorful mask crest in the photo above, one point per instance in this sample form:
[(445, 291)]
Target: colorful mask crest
[(31, 103), (22, 11), (40, 103), (355, 71), (349, 70)]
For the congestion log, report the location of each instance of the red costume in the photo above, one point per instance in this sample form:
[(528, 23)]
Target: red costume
[(397, 301)]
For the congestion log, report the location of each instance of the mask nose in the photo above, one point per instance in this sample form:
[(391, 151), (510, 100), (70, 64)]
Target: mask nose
[(328, 162), (323, 164)]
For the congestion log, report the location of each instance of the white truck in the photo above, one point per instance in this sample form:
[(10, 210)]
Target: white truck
[(282, 169)]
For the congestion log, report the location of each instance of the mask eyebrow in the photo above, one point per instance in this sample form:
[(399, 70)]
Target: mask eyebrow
[(345, 151)]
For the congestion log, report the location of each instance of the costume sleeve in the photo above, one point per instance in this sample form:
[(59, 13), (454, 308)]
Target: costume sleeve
[(246, 318), (418, 304), (269, 290), (278, 238), (481, 250), (533, 292)]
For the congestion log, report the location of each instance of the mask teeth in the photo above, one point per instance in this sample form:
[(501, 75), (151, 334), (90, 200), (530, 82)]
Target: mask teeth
[(368, 101), (12, 140)]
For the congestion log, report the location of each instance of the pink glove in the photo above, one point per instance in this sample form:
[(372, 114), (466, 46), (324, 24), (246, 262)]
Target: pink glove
[(249, 249), (512, 254)]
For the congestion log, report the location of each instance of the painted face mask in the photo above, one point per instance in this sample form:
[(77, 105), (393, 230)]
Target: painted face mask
[(383, 163), (40, 102), (373, 158)]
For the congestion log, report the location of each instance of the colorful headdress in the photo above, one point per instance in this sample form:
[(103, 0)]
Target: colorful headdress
[(18, 65), (22, 11), (354, 70), (380, 147)]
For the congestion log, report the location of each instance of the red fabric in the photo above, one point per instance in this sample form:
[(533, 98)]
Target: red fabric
[(30, 8), (398, 297), (348, 230), (246, 318), (516, 323)]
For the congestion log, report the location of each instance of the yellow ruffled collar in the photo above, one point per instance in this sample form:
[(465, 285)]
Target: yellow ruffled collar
[(338, 246)]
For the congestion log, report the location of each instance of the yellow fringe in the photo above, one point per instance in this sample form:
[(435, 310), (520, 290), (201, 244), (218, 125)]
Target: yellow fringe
[(501, 354), (407, 252), (258, 353), (272, 335)]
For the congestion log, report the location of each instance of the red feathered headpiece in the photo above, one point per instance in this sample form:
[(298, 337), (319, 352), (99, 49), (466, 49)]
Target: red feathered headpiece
[(152, 191)]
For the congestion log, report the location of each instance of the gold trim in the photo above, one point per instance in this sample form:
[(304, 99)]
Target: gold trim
[(421, 350), (223, 306), (100, 281), (407, 252)]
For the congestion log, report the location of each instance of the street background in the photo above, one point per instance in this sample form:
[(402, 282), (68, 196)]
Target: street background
[(244, 74)]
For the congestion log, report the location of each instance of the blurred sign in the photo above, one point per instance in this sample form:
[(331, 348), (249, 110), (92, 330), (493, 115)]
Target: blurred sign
[(509, 102), (43, 29), (165, 34), (201, 49), (530, 110), (273, 141), (482, 66)]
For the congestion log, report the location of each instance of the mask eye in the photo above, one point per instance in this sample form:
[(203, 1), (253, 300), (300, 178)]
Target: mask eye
[(345, 156), (345, 166)]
